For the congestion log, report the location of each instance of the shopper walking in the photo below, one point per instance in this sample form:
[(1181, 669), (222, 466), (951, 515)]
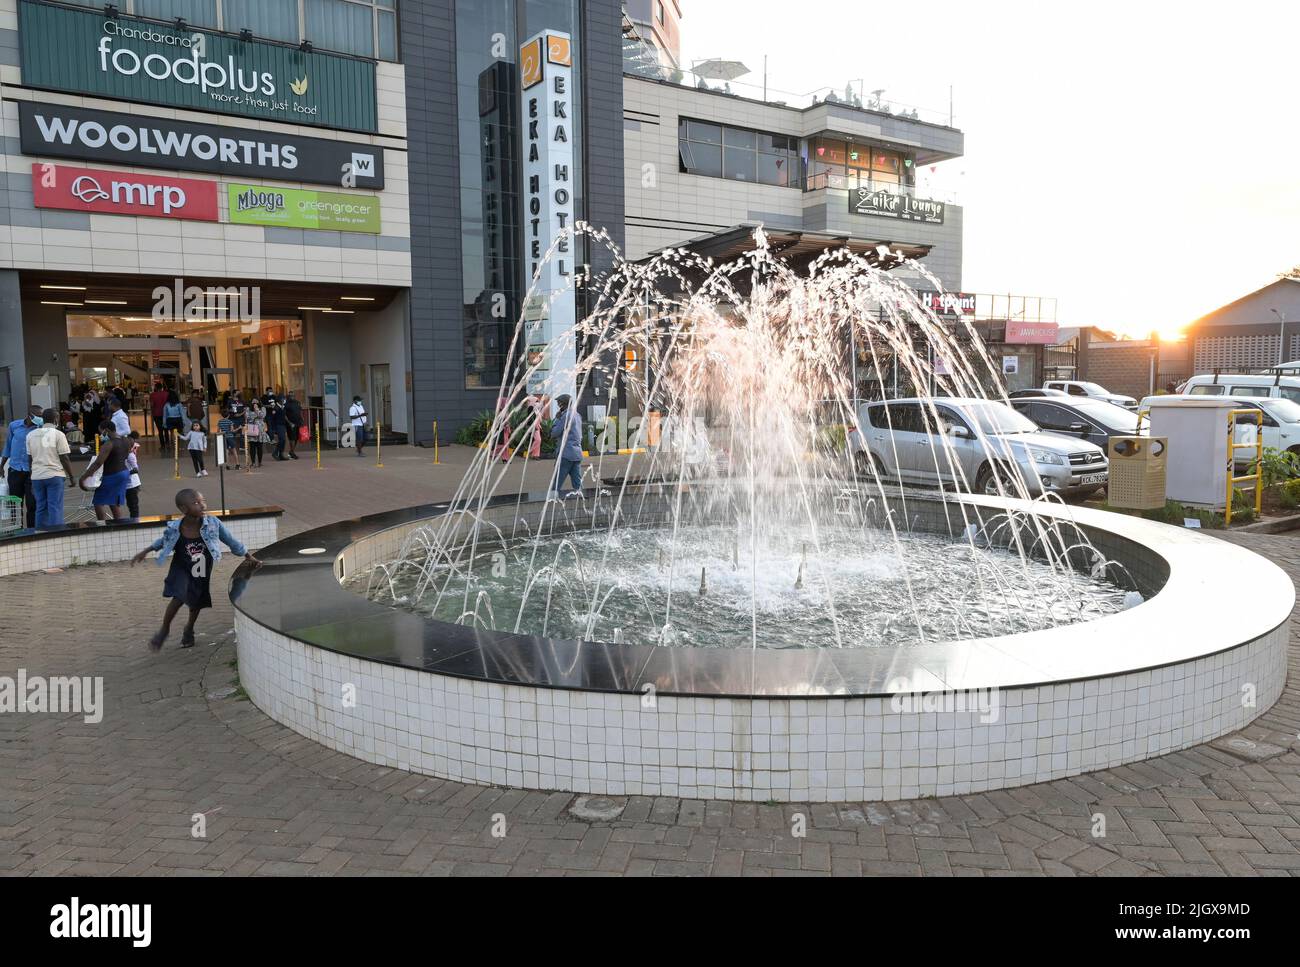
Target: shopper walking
[(254, 432), (295, 421), (194, 544), (357, 414), (116, 413), (110, 495), (197, 409), (133, 482), (157, 400), (18, 464), (47, 450), (275, 428), (196, 442), (173, 421), (567, 431)]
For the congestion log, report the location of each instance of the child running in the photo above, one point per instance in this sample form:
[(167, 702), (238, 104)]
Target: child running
[(195, 539)]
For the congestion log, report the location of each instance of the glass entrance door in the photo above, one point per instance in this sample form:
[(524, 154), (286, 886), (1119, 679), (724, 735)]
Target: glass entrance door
[(381, 394)]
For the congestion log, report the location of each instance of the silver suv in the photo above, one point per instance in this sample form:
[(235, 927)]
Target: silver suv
[(971, 444)]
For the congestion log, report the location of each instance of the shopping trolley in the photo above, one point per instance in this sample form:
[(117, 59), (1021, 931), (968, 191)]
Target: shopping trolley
[(12, 515)]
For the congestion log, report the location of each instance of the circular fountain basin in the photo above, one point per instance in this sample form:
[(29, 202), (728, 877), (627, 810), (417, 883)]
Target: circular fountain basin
[(1203, 656)]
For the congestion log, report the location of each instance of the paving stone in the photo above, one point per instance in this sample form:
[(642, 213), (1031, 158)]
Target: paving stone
[(118, 798)]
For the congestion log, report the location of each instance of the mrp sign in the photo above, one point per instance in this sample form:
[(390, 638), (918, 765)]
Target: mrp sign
[(85, 52), (546, 83), (123, 193)]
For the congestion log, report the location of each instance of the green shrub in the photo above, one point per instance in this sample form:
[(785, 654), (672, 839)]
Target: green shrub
[(476, 430), (1279, 466), (832, 438), (1292, 489)]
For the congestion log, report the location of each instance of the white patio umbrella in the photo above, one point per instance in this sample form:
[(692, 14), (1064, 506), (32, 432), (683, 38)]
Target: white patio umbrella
[(715, 68)]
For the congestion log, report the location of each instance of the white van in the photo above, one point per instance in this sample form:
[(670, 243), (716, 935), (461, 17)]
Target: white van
[(1276, 384)]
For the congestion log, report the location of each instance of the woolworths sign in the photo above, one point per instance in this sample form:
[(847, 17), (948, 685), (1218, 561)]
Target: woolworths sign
[(130, 59)]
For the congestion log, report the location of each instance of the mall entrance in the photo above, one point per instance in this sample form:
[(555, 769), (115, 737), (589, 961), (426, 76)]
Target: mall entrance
[(96, 330)]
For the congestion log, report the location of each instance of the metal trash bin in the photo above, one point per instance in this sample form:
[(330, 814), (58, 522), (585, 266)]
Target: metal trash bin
[(1137, 472)]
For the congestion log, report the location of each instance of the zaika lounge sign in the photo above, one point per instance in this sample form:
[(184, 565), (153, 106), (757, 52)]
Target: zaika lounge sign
[(85, 52), (888, 204)]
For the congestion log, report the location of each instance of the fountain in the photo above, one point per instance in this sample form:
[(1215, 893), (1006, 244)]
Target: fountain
[(741, 610)]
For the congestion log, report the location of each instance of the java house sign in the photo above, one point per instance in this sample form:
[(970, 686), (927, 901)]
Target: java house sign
[(888, 204), (546, 106), (132, 59)]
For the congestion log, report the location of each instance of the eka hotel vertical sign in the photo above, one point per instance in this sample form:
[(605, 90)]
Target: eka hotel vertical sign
[(546, 83)]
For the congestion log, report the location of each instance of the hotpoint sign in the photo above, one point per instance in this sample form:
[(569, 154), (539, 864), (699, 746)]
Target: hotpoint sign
[(546, 82), (127, 58), (888, 204)]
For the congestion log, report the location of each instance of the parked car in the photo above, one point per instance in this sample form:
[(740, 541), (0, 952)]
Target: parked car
[(1075, 387), (1281, 422), (1268, 385), (1082, 418), (1024, 393), (963, 442)]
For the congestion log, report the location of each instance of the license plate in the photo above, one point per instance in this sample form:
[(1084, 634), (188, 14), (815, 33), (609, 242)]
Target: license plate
[(1093, 478)]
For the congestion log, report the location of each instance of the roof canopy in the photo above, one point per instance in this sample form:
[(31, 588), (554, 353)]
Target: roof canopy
[(797, 248)]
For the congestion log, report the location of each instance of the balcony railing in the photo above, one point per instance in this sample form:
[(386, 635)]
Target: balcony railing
[(636, 62), (844, 182)]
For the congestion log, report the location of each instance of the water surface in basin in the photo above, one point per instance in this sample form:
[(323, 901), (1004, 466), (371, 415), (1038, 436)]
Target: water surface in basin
[(702, 586)]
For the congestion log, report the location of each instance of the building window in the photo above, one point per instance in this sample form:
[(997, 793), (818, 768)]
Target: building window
[(663, 17), (847, 164), (738, 154), (365, 28)]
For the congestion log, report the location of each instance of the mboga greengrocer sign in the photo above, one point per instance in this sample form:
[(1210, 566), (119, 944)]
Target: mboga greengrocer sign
[(126, 58)]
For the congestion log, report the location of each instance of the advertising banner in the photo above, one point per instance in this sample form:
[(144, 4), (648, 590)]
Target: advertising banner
[(123, 193), (56, 130), (1043, 333), (303, 208), (546, 107), (132, 59), (947, 303), (888, 204)]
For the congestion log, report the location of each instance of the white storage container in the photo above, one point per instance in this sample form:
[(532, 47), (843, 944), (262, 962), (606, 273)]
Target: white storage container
[(1197, 467)]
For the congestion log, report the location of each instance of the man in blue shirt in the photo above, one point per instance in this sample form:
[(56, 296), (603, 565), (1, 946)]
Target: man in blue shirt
[(15, 460)]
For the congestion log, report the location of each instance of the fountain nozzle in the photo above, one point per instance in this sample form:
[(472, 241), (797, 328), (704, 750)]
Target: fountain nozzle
[(703, 581)]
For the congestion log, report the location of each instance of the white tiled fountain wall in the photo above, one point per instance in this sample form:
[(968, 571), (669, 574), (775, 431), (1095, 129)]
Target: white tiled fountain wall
[(95, 545), (822, 749)]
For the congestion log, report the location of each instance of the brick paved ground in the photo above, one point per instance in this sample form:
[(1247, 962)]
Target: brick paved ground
[(119, 797)]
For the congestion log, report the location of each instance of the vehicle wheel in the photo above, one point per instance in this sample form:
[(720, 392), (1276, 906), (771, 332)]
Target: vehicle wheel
[(986, 482), (866, 465)]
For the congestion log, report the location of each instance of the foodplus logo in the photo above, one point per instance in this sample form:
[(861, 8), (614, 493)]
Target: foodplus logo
[(268, 201), (208, 76)]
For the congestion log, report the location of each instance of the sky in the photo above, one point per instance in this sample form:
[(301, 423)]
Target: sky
[(1138, 161)]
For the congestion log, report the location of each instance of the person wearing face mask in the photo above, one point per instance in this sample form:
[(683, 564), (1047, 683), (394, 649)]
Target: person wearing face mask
[(110, 495), (48, 451), (18, 464)]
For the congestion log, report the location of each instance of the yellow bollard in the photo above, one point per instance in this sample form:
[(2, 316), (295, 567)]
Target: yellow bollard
[(176, 456), (435, 441), (379, 456), (318, 466)]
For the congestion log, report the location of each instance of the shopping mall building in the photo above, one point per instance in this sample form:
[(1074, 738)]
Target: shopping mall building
[(346, 197)]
